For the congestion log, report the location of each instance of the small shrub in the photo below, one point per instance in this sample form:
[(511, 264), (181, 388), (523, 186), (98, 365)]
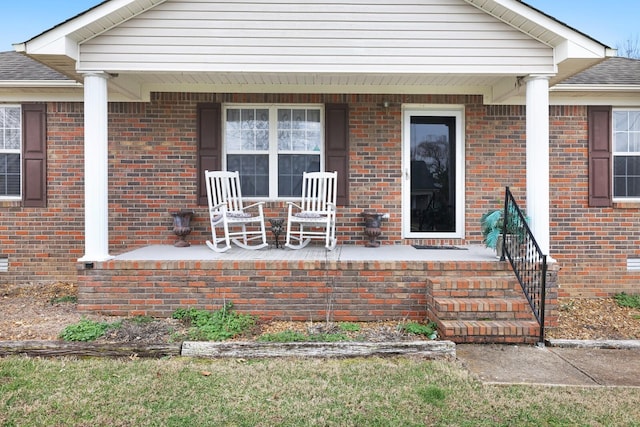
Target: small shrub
[(84, 330), (428, 330), (626, 300), (216, 325)]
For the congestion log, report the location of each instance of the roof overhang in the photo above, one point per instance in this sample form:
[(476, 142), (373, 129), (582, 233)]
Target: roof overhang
[(59, 48)]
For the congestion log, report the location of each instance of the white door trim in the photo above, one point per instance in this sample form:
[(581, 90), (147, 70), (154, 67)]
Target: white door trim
[(457, 111)]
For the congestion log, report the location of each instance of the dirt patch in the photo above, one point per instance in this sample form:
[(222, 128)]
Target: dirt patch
[(31, 312)]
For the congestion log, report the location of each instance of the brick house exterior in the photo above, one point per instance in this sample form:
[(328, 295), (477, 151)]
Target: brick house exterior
[(153, 162)]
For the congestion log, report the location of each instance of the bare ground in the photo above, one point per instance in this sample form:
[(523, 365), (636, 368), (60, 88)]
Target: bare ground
[(30, 312)]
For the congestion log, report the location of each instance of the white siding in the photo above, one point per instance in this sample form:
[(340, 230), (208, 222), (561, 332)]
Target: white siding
[(354, 36)]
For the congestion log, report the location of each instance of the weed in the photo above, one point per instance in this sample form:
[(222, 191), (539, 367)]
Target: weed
[(65, 298), (218, 325), (626, 300), (142, 320), (293, 336), (84, 330), (349, 327), (428, 330)]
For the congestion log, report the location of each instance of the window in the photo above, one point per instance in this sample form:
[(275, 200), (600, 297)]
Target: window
[(271, 146), (10, 148), (626, 153)]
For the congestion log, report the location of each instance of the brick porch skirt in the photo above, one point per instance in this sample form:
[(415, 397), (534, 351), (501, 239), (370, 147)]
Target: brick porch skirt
[(283, 290)]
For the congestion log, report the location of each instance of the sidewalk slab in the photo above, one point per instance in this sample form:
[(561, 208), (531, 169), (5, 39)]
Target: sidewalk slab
[(606, 367), (521, 364)]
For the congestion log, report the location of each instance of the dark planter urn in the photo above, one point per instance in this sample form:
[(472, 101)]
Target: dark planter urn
[(372, 222), (181, 227)]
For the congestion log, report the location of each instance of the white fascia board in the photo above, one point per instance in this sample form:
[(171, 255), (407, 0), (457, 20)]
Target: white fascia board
[(63, 40), (587, 45), (594, 88), (39, 84)]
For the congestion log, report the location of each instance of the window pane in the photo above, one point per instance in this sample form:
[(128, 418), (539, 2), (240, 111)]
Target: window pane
[(12, 139), (299, 129), (247, 129), (9, 174), (634, 142), (621, 142), (620, 121), (290, 169), (254, 173), (626, 178), (634, 121)]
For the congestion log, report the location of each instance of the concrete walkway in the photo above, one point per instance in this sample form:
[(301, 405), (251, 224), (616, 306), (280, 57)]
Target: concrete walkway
[(579, 363)]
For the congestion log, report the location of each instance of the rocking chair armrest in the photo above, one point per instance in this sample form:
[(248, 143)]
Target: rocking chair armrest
[(292, 204), (332, 206), (254, 204), (218, 206)]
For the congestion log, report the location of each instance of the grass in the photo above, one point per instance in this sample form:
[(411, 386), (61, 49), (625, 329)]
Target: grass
[(289, 392)]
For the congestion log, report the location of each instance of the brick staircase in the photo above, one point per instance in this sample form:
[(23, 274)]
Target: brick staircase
[(482, 309)]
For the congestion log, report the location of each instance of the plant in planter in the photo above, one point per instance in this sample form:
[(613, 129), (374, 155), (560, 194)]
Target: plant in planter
[(492, 223)]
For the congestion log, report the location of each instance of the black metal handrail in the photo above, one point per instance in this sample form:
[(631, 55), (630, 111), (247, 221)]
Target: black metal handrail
[(527, 260)]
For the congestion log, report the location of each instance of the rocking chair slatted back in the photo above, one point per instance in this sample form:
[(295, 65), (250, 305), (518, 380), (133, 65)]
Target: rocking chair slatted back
[(319, 190)]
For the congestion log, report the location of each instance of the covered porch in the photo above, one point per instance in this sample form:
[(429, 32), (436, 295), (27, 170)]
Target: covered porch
[(466, 290)]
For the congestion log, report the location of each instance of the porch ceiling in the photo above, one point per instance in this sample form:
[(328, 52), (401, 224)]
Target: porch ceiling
[(141, 85)]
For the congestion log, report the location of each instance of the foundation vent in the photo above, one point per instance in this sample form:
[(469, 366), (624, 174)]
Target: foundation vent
[(633, 264)]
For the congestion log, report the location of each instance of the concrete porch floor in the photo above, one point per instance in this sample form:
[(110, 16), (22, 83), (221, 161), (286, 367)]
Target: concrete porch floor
[(473, 253)]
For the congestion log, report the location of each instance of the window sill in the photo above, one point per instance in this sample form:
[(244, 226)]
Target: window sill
[(10, 203), (626, 205)]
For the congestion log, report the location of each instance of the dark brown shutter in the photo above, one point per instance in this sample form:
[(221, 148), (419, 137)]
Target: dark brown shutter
[(34, 137), (599, 156), (337, 147), (209, 144)]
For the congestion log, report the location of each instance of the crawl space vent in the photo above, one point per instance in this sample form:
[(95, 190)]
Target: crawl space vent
[(633, 264)]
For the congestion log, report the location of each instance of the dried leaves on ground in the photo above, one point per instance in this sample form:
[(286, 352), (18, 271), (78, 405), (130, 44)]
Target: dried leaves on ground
[(32, 312)]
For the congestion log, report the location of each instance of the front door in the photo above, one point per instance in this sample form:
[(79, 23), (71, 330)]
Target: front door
[(433, 202)]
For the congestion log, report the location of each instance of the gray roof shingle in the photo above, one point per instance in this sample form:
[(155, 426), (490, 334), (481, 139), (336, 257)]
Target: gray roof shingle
[(15, 66), (611, 71)]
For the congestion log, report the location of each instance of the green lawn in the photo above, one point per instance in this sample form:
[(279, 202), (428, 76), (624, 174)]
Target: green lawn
[(288, 392)]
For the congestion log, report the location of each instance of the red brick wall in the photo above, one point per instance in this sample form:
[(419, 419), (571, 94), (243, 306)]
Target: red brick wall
[(152, 164), (590, 244)]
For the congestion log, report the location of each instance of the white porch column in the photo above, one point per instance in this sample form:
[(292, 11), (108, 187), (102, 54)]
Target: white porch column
[(537, 96), (96, 191)]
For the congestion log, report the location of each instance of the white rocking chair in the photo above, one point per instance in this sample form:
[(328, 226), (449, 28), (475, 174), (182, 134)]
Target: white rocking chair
[(226, 211), (317, 210)]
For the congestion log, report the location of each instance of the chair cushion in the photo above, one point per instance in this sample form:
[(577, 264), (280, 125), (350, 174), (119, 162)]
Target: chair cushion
[(308, 215), (238, 215)]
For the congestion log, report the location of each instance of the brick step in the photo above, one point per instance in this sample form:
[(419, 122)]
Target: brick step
[(474, 287), (480, 308), (480, 331)]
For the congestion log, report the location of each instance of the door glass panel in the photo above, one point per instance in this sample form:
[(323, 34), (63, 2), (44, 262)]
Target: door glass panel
[(432, 173)]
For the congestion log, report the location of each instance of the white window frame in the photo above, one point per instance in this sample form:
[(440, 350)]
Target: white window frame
[(615, 153), (273, 142), (457, 111), (17, 151)]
